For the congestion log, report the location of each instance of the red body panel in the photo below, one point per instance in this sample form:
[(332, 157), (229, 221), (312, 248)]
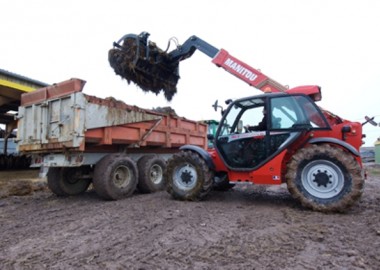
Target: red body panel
[(54, 91), (168, 133), (273, 172), (268, 174), (313, 91), (247, 73), (353, 137)]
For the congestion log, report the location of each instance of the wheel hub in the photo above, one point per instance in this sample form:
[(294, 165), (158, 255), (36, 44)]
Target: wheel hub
[(121, 177), (322, 178), (185, 177), (156, 174)]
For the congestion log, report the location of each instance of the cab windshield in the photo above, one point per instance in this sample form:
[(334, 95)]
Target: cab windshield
[(276, 113)]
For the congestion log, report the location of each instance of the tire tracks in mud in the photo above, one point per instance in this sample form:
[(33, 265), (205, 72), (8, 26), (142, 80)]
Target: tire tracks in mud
[(246, 228)]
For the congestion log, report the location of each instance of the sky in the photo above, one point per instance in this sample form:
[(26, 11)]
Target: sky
[(331, 43)]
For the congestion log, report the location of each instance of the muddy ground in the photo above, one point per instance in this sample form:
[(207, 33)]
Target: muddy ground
[(248, 227)]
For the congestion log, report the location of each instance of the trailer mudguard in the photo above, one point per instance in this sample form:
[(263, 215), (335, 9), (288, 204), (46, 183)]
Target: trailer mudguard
[(202, 152), (349, 147)]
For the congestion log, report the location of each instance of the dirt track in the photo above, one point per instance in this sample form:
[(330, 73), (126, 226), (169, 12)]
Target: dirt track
[(246, 228)]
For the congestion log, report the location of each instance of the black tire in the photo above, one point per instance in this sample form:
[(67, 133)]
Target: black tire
[(68, 181), (222, 183), (53, 176), (325, 178), (188, 177), (115, 177), (151, 174)]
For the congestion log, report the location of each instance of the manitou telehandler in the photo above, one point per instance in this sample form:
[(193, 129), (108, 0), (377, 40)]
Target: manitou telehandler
[(313, 151)]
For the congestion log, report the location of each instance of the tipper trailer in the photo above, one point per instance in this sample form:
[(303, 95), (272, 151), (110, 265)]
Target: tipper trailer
[(77, 139)]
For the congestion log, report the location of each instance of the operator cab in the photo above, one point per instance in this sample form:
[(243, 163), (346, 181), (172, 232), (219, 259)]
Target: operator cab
[(253, 130)]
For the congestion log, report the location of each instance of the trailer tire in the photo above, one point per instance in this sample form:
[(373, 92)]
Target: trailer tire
[(151, 174), (325, 178), (68, 181), (115, 177), (188, 177), (53, 181)]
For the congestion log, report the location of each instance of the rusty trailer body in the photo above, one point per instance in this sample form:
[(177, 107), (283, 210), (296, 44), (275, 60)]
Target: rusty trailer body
[(70, 135)]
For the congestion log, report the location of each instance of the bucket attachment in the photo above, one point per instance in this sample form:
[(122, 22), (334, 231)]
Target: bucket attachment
[(135, 59)]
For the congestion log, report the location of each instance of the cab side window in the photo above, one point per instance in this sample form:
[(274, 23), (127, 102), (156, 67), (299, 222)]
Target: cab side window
[(296, 112)]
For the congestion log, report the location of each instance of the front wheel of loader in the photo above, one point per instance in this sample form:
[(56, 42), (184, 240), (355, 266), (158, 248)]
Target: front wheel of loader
[(68, 181), (324, 178), (115, 177), (188, 177)]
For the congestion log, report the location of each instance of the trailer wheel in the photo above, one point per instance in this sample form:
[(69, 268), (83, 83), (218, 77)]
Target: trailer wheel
[(115, 177), (151, 173), (188, 177), (53, 177), (324, 178), (68, 181)]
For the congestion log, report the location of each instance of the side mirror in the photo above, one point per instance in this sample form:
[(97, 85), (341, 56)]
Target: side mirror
[(369, 120), (216, 106)]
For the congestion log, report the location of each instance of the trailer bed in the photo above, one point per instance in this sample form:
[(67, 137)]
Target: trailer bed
[(60, 118)]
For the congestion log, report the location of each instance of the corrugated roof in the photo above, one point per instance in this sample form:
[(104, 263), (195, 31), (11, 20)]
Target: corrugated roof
[(12, 86), (18, 77)]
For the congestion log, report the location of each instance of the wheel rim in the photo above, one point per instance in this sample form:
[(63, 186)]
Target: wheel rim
[(156, 174), (322, 179), (72, 176), (121, 176), (185, 177)]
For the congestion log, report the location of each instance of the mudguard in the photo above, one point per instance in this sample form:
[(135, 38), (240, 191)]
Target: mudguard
[(349, 147), (202, 152)]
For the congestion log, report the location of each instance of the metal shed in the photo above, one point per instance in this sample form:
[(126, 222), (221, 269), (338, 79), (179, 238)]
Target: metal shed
[(12, 86)]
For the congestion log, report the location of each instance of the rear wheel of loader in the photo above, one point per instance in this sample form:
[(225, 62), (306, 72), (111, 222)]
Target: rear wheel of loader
[(222, 183), (188, 177), (151, 173), (115, 177), (68, 181), (324, 178)]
